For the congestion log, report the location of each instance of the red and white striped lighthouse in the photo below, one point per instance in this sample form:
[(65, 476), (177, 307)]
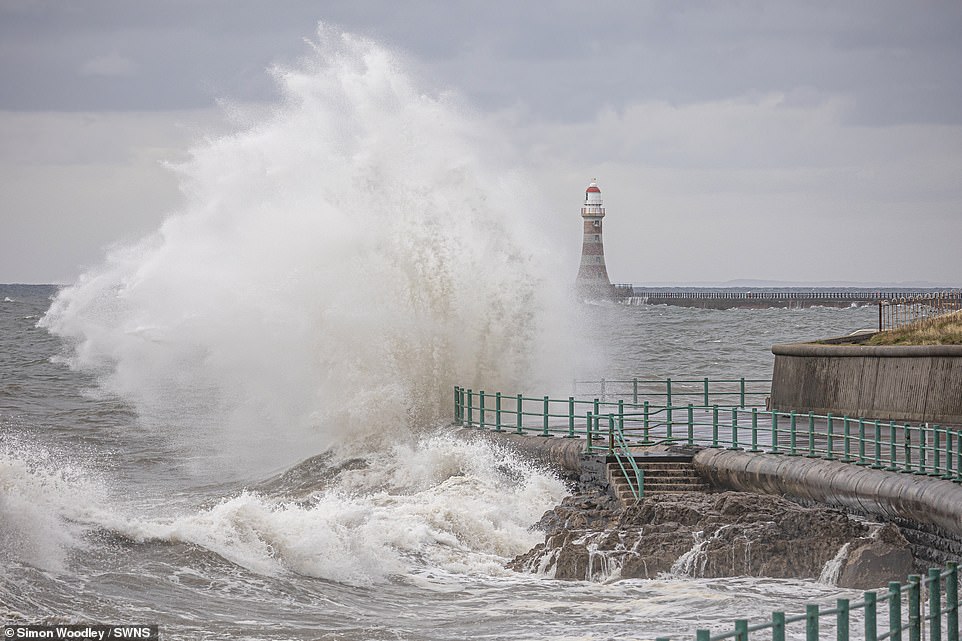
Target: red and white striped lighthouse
[(592, 280)]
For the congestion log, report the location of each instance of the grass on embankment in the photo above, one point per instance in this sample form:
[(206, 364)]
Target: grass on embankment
[(941, 330)]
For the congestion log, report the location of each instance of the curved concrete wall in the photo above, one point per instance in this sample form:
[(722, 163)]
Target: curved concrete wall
[(918, 499), (900, 383)]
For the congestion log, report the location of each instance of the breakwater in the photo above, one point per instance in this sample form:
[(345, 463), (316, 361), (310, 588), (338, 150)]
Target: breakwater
[(761, 298)]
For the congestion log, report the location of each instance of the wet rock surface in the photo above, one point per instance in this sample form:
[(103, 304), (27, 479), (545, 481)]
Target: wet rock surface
[(591, 537)]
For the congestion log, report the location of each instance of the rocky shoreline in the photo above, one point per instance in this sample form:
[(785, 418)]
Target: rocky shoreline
[(590, 536)]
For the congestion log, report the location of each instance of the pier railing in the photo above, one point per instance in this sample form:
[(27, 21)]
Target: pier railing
[(922, 449), (924, 607)]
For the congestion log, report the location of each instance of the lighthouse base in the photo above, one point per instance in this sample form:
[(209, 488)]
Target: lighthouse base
[(598, 290)]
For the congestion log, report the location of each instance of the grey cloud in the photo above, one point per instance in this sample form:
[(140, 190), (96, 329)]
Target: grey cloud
[(558, 60)]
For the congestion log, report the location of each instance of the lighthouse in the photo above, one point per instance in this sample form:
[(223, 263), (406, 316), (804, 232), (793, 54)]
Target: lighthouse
[(592, 281)]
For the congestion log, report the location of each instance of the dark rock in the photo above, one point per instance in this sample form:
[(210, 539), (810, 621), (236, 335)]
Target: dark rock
[(883, 557), (706, 535)]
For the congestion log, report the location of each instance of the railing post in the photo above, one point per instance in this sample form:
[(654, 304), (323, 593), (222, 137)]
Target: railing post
[(829, 437), (923, 442), (895, 611), (741, 629), (621, 416), (792, 436), (841, 619), (907, 446), (588, 431), (877, 465), (778, 626), (457, 405), (735, 429), (571, 417), (774, 432), (520, 412), (811, 622), (706, 392), (646, 424), (949, 472), (893, 435), (811, 435), (470, 409), (714, 426), (952, 602), (936, 452), (702, 635), (481, 409), (741, 392), (544, 430), (915, 608), (668, 403), (846, 440), (691, 424), (871, 617), (935, 605), (861, 442), (611, 434), (958, 458), (497, 411)]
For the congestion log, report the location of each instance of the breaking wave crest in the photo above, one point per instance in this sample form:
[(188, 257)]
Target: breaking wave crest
[(335, 269)]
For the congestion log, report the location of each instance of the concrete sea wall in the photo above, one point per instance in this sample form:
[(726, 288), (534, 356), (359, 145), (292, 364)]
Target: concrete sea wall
[(927, 510), (900, 383), (885, 494)]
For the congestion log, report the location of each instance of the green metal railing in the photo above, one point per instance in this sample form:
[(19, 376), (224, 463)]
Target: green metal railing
[(921, 449), (738, 392), (923, 606)]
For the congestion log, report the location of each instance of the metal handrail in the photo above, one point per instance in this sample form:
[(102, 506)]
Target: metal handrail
[(618, 448)]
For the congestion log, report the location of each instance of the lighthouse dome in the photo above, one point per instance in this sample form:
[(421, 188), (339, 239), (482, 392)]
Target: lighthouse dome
[(593, 194)]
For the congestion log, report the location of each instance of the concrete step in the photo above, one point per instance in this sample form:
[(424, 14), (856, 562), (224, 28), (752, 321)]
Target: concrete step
[(661, 476)]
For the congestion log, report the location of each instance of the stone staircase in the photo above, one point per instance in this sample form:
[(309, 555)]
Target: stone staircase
[(662, 473)]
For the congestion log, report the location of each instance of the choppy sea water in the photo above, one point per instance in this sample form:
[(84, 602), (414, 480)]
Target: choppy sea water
[(104, 521)]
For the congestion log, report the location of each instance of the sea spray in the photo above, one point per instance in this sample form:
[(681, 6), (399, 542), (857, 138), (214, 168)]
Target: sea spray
[(47, 503), (335, 269)]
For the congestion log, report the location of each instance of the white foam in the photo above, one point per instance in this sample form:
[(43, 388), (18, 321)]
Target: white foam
[(46, 504), (444, 504)]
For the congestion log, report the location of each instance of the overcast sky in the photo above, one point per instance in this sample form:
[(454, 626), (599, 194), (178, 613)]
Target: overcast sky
[(793, 141)]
